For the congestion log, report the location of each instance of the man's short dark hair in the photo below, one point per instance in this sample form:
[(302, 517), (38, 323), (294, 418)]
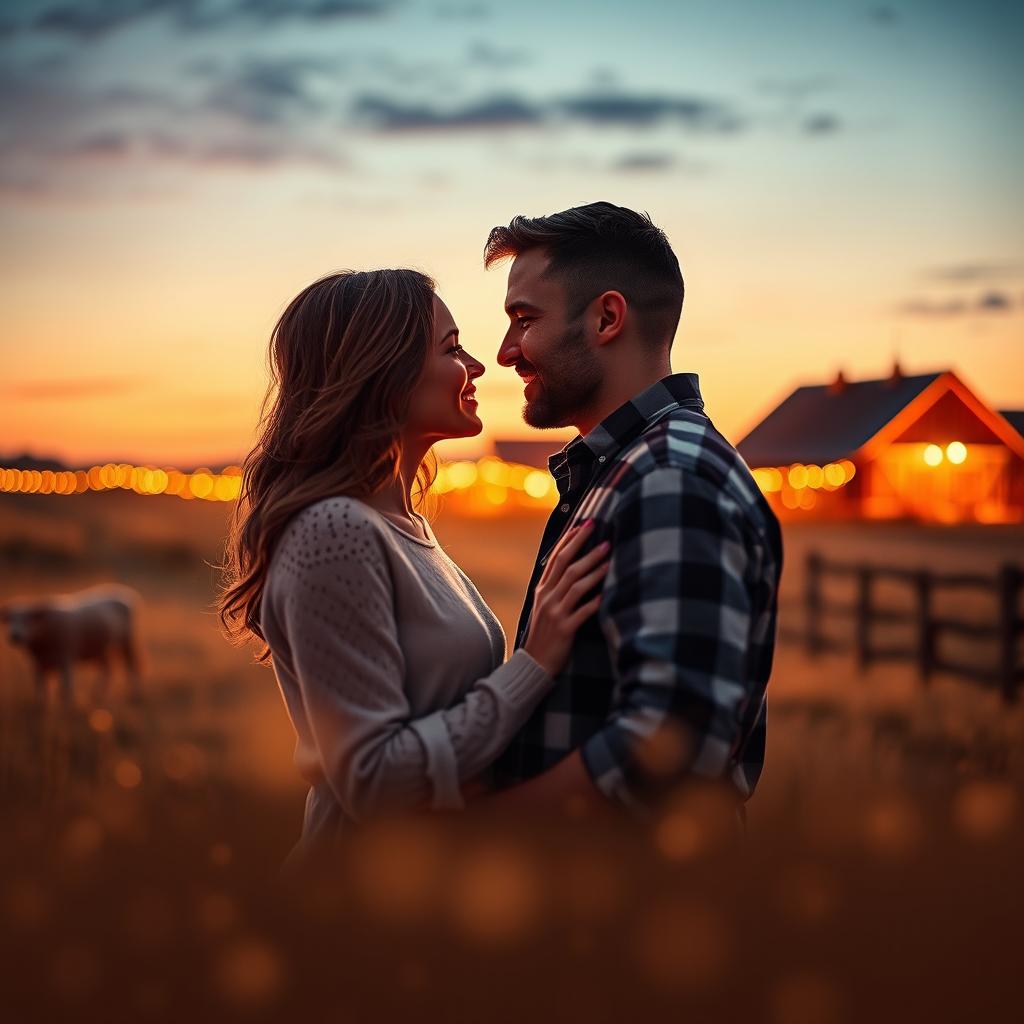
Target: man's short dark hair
[(597, 248)]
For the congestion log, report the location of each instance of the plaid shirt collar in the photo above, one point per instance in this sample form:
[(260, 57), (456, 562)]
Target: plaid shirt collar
[(573, 464)]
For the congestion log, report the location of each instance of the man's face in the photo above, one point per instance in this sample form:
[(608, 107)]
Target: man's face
[(551, 353)]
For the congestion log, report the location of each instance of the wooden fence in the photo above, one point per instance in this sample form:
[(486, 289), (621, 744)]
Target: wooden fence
[(928, 628)]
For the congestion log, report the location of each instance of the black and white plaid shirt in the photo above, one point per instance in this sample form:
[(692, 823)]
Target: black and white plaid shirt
[(683, 640)]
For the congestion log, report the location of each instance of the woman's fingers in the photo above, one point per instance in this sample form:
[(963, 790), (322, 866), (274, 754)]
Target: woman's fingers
[(583, 613), (581, 567), (565, 550), (586, 584)]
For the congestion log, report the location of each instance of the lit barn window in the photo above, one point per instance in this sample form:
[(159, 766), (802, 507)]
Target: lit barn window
[(956, 452), (933, 455)]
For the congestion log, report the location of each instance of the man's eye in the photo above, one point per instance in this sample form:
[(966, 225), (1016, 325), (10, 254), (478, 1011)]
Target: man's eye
[(522, 321)]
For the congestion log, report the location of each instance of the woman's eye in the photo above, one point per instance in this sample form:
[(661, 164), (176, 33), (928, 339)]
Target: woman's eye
[(457, 348)]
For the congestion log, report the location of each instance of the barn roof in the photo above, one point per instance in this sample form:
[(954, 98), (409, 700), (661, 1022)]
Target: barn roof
[(821, 423)]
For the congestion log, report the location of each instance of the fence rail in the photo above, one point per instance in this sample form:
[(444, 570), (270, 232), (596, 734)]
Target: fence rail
[(928, 628)]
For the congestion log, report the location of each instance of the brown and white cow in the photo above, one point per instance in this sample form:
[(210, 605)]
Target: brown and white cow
[(95, 625)]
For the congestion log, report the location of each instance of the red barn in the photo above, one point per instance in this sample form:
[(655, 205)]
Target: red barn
[(920, 447)]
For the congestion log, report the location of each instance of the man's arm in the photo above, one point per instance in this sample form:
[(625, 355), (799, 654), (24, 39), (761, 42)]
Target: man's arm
[(676, 614)]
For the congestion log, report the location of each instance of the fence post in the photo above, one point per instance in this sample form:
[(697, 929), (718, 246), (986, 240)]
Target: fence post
[(925, 626), (864, 576), (812, 603), (1009, 588)]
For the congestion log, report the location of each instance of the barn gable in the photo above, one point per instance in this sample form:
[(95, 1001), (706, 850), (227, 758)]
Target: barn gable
[(823, 423)]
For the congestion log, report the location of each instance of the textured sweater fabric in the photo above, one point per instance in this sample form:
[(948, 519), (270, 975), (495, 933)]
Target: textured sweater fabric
[(390, 664)]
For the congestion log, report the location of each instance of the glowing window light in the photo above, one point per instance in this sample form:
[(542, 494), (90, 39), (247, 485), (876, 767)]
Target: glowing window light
[(933, 455), (159, 481), (815, 476), (12, 477), (797, 476), (807, 499), (790, 499), (537, 484), (496, 495), (81, 481), (108, 475), (849, 469), (33, 482), (956, 452)]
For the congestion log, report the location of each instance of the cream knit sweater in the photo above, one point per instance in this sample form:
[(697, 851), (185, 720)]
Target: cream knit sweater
[(390, 664)]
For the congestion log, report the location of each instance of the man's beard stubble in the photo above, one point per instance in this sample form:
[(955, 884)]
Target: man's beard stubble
[(567, 385)]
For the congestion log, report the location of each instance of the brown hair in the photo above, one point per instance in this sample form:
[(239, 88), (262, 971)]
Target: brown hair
[(344, 359), (597, 248)]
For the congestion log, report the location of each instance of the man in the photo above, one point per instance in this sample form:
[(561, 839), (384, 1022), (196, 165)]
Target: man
[(667, 681)]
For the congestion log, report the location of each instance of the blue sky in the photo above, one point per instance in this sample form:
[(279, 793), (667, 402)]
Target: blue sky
[(840, 181)]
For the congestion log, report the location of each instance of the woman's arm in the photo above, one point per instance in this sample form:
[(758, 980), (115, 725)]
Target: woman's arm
[(336, 610)]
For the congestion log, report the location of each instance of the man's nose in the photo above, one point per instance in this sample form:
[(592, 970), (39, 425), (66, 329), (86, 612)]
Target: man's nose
[(509, 353)]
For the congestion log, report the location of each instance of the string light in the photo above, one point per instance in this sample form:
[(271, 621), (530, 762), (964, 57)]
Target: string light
[(494, 480)]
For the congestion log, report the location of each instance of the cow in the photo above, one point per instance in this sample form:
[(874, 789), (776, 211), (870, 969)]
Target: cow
[(92, 625)]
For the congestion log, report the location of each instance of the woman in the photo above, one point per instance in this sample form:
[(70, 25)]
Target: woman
[(390, 663)]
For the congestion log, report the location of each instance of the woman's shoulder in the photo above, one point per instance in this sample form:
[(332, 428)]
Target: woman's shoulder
[(337, 528)]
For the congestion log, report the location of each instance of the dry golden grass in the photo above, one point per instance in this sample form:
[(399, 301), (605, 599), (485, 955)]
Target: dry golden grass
[(140, 843)]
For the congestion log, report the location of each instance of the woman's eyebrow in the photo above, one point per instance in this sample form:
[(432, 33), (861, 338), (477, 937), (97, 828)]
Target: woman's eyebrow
[(454, 331)]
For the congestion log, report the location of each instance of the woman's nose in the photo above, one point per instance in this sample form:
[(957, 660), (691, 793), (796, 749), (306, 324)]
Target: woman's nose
[(476, 369)]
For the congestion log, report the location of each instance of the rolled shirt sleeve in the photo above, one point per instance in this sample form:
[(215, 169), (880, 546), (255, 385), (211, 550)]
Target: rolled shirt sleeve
[(676, 613)]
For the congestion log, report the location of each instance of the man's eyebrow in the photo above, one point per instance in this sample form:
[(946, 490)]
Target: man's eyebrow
[(519, 305)]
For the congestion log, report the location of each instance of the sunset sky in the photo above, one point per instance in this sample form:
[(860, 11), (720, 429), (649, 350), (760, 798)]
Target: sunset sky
[(841, 183)]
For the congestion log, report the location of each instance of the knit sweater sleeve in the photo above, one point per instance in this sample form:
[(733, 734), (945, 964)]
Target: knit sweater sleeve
[(333, 599)]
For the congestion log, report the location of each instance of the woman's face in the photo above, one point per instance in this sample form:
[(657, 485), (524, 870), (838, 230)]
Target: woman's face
[(443, 402)]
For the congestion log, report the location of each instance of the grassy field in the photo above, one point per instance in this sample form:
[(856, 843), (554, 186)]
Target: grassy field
[(141, 842)]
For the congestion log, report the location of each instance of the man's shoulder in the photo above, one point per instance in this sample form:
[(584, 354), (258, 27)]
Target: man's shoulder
[(685, 443)]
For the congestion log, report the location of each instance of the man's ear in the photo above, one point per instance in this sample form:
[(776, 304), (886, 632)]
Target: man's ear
[(611, 310)]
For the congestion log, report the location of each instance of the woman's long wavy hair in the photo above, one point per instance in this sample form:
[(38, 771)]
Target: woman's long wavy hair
[(344, 359)]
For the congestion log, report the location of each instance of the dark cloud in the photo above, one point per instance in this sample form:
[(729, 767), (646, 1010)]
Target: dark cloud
[(603, 109), (90, 20), (606, 107), (966, 273), (497, 112), (995, 302), (987, 302), (639, 163), (821, 124), (264, 90), (93, 20), (313, 10)]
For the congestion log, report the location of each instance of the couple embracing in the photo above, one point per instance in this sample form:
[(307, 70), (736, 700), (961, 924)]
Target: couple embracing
[(650, 613)]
